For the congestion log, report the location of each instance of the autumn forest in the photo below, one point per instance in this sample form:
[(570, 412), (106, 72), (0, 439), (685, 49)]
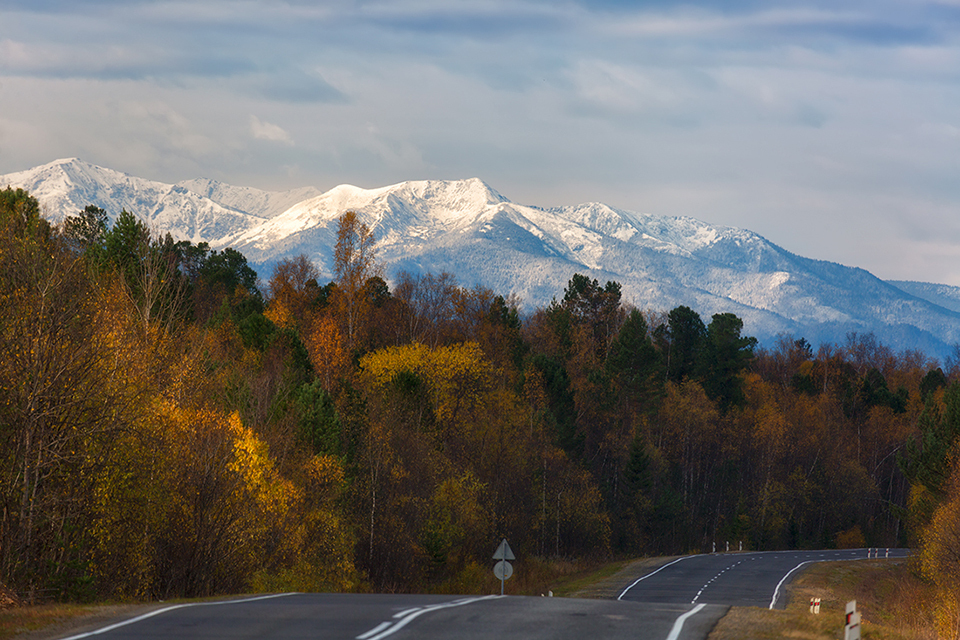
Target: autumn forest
[(172, 426)]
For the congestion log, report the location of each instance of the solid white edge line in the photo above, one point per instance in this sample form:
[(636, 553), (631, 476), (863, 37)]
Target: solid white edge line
[(124, 623), (776, 592), (678, 625), (638, 580)]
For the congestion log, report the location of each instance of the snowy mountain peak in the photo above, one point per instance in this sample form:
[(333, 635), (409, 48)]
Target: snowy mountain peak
[(441, 200), (451, 195), (427, 205)]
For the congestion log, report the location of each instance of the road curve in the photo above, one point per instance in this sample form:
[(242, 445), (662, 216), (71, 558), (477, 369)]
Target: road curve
[(747, 579)]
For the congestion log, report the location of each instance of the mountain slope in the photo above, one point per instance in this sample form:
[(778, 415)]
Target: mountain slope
[(467, 228), (65, 187), (256, 202), (943, 295)]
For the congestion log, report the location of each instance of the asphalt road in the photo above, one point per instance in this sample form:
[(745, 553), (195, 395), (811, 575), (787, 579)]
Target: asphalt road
[(405, 617), (738, 579), (682, 600)]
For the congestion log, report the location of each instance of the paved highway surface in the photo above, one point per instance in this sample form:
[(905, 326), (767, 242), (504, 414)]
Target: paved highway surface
[(738, 579), (682, 600)]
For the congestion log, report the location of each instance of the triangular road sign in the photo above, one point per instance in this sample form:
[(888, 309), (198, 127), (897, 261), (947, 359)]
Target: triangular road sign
[(504, 552)]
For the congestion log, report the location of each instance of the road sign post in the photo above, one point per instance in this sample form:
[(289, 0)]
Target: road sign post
[(503, 569)]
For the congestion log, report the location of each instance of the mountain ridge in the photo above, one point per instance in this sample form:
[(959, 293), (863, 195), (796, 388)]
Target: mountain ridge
[(469, 229)]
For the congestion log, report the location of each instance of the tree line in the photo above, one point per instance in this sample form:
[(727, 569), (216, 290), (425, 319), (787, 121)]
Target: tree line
[(172, 427)]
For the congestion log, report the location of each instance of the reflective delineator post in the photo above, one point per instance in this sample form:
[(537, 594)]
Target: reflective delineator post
[(851, 630)]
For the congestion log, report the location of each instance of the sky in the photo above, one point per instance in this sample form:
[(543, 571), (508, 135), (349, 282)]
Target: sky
[(830, 128)]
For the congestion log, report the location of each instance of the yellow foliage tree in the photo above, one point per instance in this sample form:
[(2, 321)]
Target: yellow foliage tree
[(230, 505), (326, 347), (457, 377), (940, 559), (689, 426), (291, 290)]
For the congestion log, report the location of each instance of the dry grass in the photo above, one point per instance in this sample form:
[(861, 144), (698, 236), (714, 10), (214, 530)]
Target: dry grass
[(533, 577), (892, 601), (47, 621), (51, 620)]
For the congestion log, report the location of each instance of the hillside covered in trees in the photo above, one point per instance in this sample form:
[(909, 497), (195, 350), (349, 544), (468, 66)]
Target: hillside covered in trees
[(171, 427)]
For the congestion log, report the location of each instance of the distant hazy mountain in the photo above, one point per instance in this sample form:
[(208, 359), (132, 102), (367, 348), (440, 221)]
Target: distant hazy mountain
[(944, 295), (469, 229)]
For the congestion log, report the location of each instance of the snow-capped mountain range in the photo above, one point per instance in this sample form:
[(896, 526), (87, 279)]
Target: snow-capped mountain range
[(467, 228)]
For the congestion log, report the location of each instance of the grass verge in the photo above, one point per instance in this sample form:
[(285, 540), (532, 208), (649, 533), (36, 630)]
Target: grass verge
[(46, 621), (52, 620)]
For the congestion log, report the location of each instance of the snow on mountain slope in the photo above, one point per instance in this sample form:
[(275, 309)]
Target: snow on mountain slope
[(65, 187), (943, 295), (410, 212), (467, 228), (256, 202)]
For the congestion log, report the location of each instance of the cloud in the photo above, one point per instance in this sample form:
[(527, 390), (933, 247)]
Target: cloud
[(727, 110), (801, 23), (694, 23), (482, 20), (295, 85), (267, 131), (115, 60), (604, 88)]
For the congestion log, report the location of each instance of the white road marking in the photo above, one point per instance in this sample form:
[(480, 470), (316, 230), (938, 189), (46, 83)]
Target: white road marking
[(385, 629), (638, 580), (776, 592), (710, 581), (377, 629), (171, 608), (678, 625)]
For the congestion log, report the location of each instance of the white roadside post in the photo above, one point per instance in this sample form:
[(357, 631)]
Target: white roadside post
[(815, 606), (851, 630), (503, 569)]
